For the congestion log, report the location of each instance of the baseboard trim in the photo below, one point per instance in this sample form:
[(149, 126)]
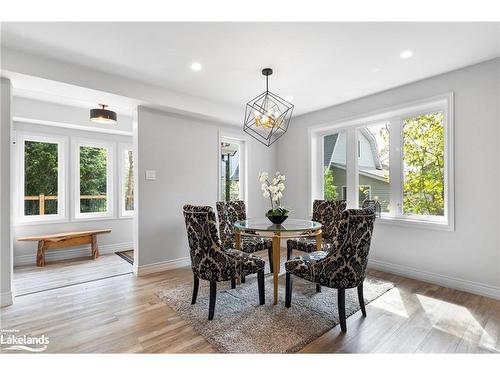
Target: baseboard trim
[(6, 299), (162, 266), (61, 254), (434, 278)]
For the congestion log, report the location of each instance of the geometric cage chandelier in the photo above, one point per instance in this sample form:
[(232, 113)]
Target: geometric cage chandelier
[(267, 116)]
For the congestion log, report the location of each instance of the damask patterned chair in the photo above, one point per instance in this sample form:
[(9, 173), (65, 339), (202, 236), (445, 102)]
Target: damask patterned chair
[(228, 213), (328, 214), (341, 268), (210, 262)]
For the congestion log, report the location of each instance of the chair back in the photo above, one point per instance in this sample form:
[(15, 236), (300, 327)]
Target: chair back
[(208, 260), (372, 203), (346, 267), (328, 214), (229, 213)]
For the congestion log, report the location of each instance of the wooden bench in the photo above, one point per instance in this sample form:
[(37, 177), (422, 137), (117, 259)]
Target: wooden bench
[(60, 240)]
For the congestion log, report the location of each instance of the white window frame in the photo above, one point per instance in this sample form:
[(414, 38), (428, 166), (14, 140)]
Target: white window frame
[(61, 216), (230, 138), (76, 144), (394, 115), (122, 148)]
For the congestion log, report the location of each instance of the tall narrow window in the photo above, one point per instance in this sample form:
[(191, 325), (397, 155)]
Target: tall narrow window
[(423, 165), (334, 166), (40, 178), (94, 182), (127, 180), (231, 170), (41, 183), (373, 164)]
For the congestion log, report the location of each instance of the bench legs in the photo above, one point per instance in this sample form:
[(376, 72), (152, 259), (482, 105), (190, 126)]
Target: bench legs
[(43, 245), (40, 253), (94, 247)]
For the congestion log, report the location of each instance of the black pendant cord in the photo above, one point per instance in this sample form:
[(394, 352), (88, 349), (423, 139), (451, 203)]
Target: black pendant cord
[(267, 83)]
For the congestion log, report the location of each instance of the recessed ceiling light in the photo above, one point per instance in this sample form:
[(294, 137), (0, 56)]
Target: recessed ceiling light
[(196, 66), (406, 54), (289, 98)]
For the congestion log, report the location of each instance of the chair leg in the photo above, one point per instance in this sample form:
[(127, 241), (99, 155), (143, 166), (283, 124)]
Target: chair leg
[(262, 294), (270, 254), (243, 279), (195, 289), (361, 299), (341, 303), (233, 283), (211, 304), (288, 292), (318, 288)]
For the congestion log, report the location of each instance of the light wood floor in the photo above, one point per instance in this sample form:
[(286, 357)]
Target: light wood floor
[(123, 315), (30, 279)]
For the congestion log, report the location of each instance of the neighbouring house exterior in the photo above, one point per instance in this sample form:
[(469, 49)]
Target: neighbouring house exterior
[(373, 175)]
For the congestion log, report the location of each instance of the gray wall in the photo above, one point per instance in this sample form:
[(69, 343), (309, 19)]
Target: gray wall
[(184, 153), (469, 256)]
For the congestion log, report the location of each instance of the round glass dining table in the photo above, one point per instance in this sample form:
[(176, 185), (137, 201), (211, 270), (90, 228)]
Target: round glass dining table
[(291, 228)]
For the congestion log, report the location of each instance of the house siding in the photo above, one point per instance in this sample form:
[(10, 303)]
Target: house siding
[(379, 189)]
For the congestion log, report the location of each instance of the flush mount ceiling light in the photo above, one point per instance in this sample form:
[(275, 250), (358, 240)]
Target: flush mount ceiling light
[(406, 54), (267, 116), (102, 115)]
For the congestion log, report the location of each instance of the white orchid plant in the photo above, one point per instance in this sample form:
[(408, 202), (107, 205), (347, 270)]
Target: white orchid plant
[(273, 189)]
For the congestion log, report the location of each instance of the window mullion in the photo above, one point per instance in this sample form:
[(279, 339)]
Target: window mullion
[(395, 167), (352, 168)]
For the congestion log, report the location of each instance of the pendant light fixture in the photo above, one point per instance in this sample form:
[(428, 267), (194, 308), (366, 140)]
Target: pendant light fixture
[(102, 115), (267, 116)]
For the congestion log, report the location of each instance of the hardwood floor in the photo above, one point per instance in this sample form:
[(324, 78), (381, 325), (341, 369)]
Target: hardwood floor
[(123, 315), (30, 279)]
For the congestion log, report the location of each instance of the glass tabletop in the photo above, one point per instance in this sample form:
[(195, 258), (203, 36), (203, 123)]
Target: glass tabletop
[(264, 225)]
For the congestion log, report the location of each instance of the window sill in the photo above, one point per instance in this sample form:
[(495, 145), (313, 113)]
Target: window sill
[(93, 218), (415, 223), (45, 221), (131, 216)]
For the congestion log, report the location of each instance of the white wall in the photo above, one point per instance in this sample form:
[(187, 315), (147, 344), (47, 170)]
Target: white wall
[(52, 114), (121, 237), (6, 256), (469, 257), (184, 153)]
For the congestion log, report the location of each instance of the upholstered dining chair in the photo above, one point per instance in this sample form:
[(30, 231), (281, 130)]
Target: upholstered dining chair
[(328, 214), (341, 268), (229, 213), (209, 261)]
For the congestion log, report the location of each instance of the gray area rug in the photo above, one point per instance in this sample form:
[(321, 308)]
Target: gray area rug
[(241, 325)]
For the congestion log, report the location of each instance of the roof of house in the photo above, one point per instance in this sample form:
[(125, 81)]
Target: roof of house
[(331, 141)]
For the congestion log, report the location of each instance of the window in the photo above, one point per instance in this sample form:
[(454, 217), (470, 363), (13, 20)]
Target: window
[(231, 170), (93, 179), (126, 180), (334, 166), (365, 192), (373, 164), (423, 165), (401, 158), (41, 178)]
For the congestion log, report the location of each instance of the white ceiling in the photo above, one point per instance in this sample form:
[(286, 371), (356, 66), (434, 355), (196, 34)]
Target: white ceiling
[(319, 64)]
